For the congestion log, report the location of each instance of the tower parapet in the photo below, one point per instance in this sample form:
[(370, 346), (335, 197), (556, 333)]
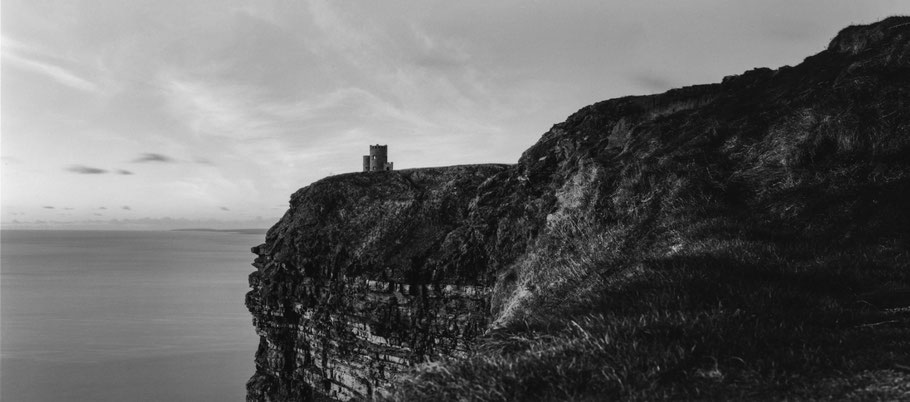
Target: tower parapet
[(378, 159)]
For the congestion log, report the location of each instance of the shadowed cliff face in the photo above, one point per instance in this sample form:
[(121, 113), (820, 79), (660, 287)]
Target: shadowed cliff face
[(772, 189), (366, 274)]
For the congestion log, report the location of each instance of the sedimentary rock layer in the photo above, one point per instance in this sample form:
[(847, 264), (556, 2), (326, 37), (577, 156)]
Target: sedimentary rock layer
[(366, 274)]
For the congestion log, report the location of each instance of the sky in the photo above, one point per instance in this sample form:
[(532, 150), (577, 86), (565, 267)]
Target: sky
[(178, 113)]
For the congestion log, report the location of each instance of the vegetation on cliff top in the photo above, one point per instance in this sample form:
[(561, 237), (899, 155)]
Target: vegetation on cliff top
[(744, 240)]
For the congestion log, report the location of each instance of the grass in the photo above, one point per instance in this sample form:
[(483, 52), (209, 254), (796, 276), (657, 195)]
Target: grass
[(716, 319), (737, 272), (754, 248)]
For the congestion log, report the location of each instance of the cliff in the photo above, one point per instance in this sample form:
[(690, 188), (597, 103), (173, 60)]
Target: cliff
[(747, 239), (364, 275)]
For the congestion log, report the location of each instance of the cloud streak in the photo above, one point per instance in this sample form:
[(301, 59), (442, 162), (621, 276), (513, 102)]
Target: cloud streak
[(153, 158), (81, 169), (15, 53), (217, 109)]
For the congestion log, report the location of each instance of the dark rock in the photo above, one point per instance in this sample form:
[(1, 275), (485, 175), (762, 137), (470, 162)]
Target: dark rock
[(366, 274), (858, 38)]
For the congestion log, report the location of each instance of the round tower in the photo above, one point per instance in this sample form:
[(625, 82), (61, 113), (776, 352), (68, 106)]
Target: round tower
[(379, 156)]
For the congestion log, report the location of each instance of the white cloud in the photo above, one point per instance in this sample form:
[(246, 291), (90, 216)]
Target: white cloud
[(212, 110), (23, 56)]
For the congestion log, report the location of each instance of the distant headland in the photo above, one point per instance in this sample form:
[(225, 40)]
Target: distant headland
[(238, 231)]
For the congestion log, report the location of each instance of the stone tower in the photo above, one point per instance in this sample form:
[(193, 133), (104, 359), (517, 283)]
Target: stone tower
[(377, 160)]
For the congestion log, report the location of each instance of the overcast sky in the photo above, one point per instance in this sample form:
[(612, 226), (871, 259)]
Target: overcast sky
[(216, 109)]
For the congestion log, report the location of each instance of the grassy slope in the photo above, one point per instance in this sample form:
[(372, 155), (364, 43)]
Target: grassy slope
[(754, 248)]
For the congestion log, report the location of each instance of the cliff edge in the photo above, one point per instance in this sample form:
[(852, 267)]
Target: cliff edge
[(742, 240), (366, 274)]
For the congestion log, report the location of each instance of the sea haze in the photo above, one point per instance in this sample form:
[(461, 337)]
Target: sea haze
[(125, 315)]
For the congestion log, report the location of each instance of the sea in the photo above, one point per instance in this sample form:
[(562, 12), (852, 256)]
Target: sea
[(125, 315)]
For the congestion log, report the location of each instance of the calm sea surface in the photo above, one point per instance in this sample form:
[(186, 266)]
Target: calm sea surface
[(125, 316)]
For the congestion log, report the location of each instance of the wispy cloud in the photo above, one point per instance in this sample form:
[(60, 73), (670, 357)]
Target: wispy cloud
[(126, 208), (85, 169), (409, 79), (153, 157), (124, 172), (48, 207), (213, 109), (225, 209), (30, 58)]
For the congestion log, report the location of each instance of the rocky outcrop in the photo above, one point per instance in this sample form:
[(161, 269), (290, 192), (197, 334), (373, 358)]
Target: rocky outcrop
[(366, 274), (369, 273), (856, 39)]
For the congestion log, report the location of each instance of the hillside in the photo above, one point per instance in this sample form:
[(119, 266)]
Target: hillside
[(742, 240)]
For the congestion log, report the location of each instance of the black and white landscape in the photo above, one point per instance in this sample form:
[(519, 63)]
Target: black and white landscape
[(511, 201)]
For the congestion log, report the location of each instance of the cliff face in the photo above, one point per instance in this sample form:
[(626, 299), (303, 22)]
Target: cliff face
[(772, 189), (364, 275)]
